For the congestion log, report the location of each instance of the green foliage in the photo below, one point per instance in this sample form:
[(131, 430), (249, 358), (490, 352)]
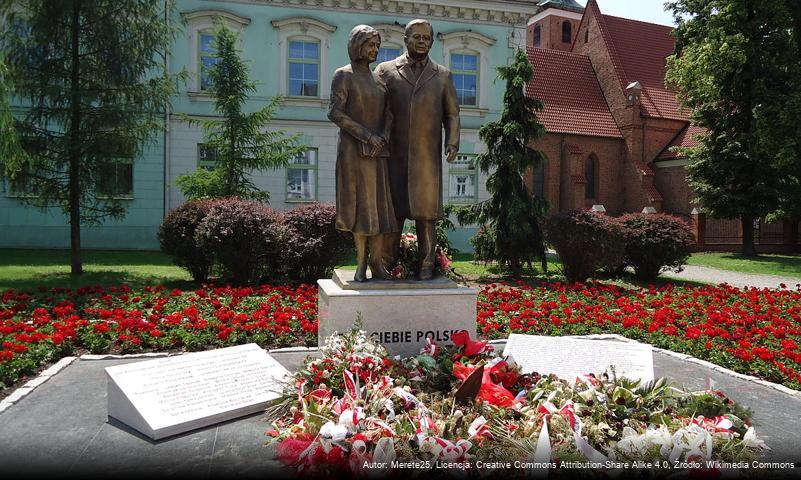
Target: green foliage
[(10, 149), (511, 211), (238, 138), (585, 242), (91, 76), (737, 67)]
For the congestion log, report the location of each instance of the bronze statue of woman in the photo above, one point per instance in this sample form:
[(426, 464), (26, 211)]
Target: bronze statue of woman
[(359, 106)]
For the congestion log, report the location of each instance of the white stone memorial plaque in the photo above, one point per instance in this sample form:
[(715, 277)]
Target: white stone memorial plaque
[(168, 396), (569, 357)]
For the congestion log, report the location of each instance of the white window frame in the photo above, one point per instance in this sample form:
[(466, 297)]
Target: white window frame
[(202, 21), (463, 41), (468, 72), (458, 168), (310, 30), (313, 168)]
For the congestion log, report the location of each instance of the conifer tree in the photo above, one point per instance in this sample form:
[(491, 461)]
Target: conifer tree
[(91, 78), (511, 211), (10, 149), (238, 139)]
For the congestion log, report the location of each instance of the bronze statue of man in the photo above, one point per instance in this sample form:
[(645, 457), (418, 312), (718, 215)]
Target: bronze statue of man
[(423, 101)]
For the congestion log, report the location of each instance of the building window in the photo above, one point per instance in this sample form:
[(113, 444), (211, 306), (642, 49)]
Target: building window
[(301, 177), (388, 53), (304, 68), (200, 27), (208, 58), (464, 67), (586, 35), (206, 157), (591, 177), (304, 73), (567, 32), (537, 35), (463, 176), (467, 53), (115, 178), (539, 179)]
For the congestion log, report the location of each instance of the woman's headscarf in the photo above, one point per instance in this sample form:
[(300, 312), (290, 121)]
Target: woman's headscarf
[(359, 35)]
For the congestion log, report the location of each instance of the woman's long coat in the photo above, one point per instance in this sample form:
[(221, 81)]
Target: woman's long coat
[(359, 107), (421, 107)]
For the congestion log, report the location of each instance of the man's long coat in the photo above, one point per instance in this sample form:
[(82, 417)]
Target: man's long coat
[(421, 108)]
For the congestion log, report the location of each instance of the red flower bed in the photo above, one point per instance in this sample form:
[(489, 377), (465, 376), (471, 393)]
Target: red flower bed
[(753, 331), (48, 324)]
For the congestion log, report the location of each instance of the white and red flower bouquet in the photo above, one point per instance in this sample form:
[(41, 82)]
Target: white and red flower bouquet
[(358, 412), (408, 261)]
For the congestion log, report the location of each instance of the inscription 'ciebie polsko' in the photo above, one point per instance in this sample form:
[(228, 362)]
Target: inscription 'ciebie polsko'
[(167, 396)]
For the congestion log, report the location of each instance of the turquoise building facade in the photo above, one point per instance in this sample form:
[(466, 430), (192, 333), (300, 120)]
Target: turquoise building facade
[(293, 48)]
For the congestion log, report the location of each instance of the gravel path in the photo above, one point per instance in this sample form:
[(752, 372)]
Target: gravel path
[(736, 279)]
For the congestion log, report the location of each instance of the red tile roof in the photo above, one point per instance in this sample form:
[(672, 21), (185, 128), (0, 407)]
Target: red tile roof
[(574, 102), (685, 138), (639, 51)]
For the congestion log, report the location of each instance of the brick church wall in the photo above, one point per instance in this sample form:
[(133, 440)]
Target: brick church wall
[(676, 193), (563, 167)]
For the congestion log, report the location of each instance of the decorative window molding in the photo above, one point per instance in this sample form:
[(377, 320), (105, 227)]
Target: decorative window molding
[(391, 34), (203, 21), (304, 29), (301, 178), (463, 179), (474, 43)]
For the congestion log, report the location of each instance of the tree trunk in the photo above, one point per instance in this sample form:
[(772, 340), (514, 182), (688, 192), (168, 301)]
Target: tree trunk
[(76, 265), (749, 250)]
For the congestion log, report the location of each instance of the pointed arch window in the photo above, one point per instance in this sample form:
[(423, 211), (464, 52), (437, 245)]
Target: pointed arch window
[(591, 177), (567, 32), (538, 189)]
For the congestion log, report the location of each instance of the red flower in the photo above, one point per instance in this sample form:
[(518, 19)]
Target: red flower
[(489, 391), (470, 347)]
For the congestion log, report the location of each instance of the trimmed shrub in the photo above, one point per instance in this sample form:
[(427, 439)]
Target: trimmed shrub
[(483, 243), (177, 238), (655, 242), (314, 246), (245, 238), (585, 242)]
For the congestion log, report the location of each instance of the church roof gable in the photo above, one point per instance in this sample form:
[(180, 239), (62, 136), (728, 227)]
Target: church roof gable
[(574, 103)]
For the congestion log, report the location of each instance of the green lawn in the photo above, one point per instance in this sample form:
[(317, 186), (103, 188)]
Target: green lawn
[(29, 269), (767, 264), (21, 269)]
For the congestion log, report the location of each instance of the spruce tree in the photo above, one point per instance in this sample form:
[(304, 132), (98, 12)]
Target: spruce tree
[(511, 211), (91, 77), (239, 139), (733, 69)]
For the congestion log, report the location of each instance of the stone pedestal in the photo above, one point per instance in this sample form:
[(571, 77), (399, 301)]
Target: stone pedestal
[(398, 314)]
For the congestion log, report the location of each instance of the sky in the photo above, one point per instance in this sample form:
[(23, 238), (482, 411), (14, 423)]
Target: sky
[(646, 10)]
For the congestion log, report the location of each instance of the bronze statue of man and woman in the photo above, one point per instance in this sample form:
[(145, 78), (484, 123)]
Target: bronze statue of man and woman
[(389, 156)]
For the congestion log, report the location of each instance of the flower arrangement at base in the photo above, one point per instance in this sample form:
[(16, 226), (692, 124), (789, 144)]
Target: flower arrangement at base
[(358, 412), (408, 265)]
